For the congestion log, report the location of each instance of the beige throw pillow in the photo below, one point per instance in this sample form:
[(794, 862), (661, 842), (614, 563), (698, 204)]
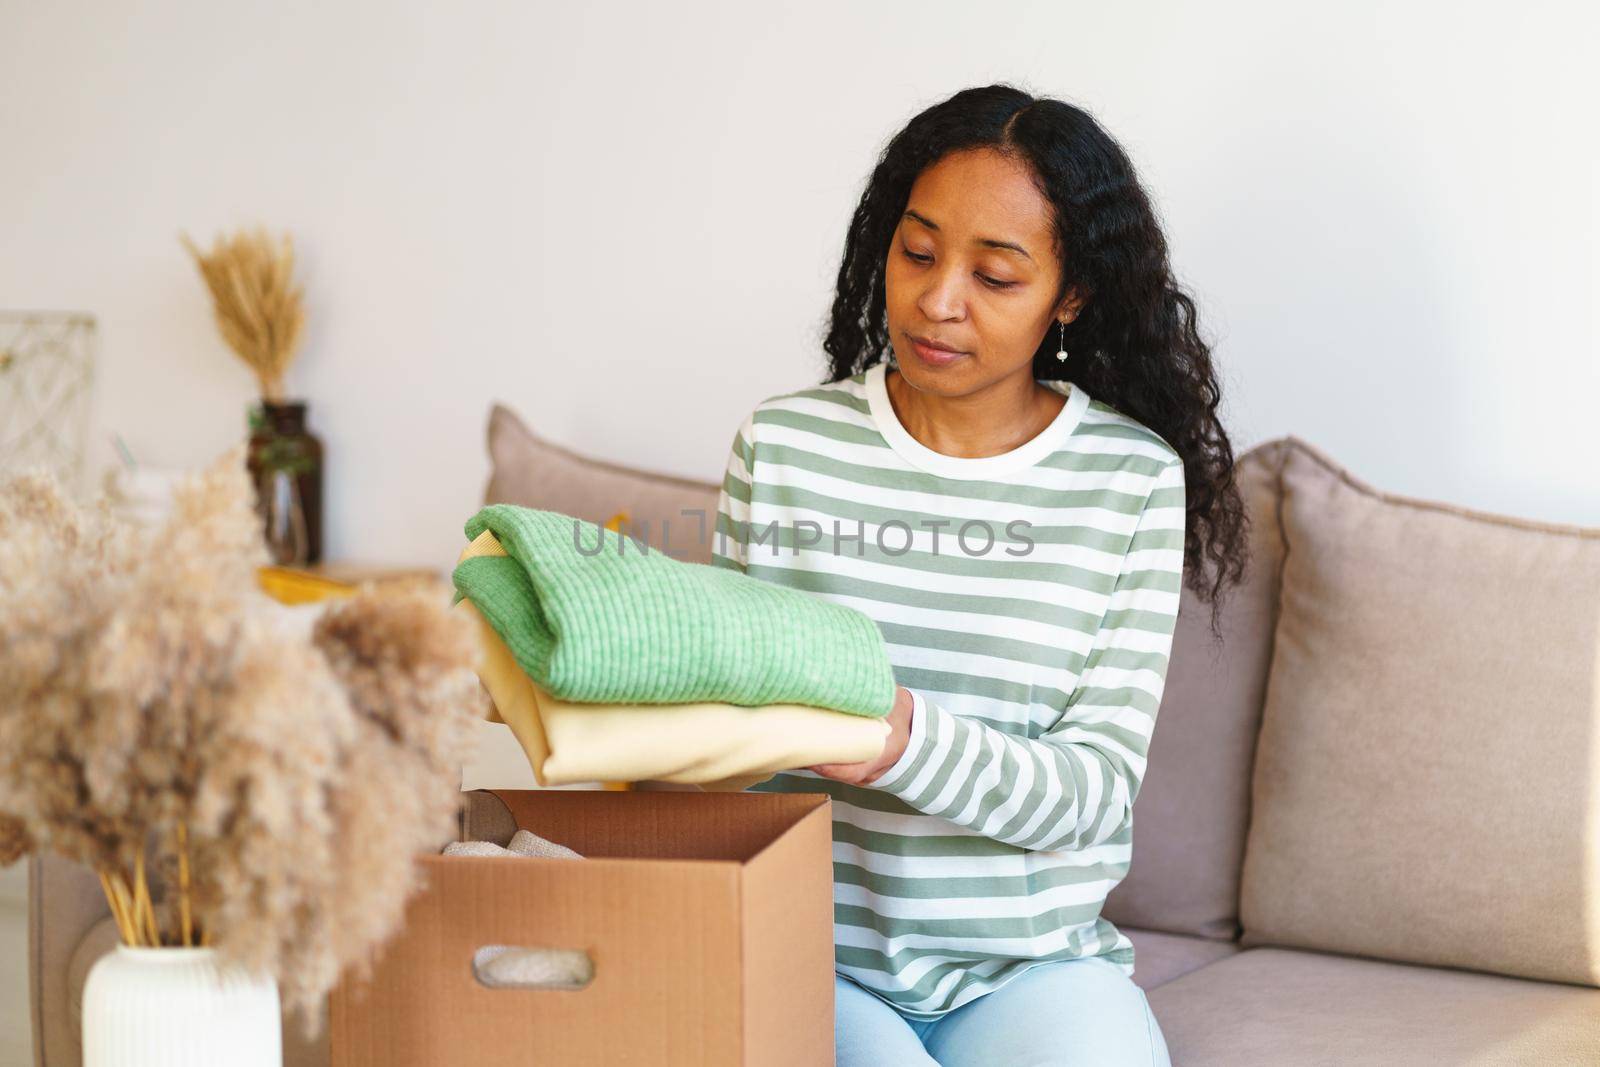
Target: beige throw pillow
[(532, 472), (1189, 821), (1427, 780)]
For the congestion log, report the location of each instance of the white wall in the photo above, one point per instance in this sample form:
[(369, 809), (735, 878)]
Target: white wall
[(625, 220)]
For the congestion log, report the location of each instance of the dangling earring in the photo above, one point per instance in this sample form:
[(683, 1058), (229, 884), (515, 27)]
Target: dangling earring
[(1062, 355)]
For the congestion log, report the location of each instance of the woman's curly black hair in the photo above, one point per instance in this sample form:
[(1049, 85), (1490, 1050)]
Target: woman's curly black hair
[(1134, 345)]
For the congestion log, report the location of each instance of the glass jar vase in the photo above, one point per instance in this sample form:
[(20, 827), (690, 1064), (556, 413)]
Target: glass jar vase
[(285, 462)]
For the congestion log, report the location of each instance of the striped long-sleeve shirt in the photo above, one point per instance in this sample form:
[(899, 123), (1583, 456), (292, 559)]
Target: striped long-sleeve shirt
[(1027, 601)]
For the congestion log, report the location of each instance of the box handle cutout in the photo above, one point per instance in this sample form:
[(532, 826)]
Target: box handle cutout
[(518, 967)]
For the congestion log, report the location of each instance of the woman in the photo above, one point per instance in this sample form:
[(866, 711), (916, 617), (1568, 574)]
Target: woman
[(1013, 457)]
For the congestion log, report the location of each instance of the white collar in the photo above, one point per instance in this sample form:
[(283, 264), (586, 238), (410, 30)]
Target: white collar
[(924, 458)]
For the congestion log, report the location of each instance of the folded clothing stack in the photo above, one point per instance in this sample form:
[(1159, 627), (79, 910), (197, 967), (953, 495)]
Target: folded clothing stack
[(609, 660)]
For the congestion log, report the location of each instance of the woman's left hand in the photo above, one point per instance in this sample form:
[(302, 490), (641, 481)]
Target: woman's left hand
[(894, 746)]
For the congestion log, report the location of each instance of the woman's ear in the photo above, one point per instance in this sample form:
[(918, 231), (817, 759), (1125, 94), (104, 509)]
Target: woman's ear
[(1071, 304)]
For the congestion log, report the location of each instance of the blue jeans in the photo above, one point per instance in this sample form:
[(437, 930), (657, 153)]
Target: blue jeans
[(1083, 1011)]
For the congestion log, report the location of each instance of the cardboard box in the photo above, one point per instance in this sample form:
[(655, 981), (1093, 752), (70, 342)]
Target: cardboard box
[(708, 918)]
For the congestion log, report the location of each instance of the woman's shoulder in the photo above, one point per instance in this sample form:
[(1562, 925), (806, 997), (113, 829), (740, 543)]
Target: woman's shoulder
[(851, 392), (1114, 431), (843, 401)]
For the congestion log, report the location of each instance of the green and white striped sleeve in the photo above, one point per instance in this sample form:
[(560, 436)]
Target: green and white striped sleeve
[(1074, 786), (730, 538)]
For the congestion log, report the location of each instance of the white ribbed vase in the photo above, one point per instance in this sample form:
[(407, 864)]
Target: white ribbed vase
[(174, 1007)]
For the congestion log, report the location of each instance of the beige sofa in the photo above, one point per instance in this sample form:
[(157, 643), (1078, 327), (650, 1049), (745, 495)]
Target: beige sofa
[(1368, 830)]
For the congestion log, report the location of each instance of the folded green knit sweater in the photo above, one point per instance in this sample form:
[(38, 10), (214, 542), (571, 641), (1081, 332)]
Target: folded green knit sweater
[(628, 624)]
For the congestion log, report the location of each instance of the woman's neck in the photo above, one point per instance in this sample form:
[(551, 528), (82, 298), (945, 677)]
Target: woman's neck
[(990, 422)]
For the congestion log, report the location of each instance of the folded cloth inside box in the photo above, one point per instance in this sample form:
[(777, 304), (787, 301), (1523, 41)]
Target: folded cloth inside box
[(523, 843), (512, 966), (592, 616), (717, 745)]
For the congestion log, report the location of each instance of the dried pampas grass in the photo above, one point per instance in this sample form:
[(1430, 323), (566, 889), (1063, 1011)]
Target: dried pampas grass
[(233, 783), (258, 309)]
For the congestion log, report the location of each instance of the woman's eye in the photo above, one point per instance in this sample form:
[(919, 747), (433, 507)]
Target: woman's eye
[(993, 283)]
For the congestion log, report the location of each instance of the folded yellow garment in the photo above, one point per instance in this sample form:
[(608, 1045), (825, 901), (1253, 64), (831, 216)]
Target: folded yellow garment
[(719, 746)]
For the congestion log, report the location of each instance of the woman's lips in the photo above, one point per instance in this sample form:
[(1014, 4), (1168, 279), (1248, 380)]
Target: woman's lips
[(934, 357)]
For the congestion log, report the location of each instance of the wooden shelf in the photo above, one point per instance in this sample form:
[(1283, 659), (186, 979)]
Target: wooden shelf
[(299, 585)]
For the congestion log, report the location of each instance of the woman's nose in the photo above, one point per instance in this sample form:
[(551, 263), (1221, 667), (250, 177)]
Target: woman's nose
[(941, 298)]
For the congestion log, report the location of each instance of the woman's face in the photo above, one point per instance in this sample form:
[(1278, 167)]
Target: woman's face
[(972, 266)]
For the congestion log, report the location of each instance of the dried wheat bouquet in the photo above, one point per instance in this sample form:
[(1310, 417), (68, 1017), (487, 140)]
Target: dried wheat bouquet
[(259, 309), (234, 782)]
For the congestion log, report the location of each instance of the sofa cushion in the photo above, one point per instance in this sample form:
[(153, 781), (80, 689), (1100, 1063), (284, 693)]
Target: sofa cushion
[(532, 472), (1427, 782), (1266, 1007), (1159, 957), (1190, 818), (65, 901)]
